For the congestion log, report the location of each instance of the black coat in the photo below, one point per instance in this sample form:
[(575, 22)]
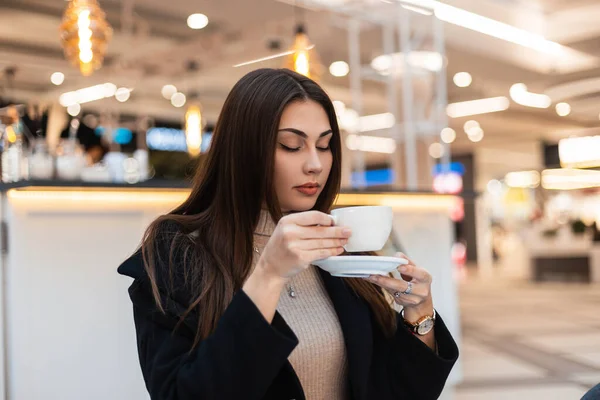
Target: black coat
[(246, 358)]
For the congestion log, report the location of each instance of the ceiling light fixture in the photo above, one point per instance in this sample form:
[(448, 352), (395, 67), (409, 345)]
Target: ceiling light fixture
[(487, 26), (376, 122), (470, 125), (424, 61), (418, 10), (475, 135), (522, 179), (88, 94), (193, 130), (448, 135), (349, 120), (462, 79), (85, 34), (74, 109), (57, 78), (371, 143), (563, 109), (178, 100), (476, 107), (123, 94), (570, 179), (299, 59), (339, 68), (436, 150), (168, 91), (339, 107), (267, 58), (579, 152), (520, 95), (197, 21)]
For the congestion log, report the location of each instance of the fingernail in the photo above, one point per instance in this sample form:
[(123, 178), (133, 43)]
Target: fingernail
[(347, 231), (403, 269)]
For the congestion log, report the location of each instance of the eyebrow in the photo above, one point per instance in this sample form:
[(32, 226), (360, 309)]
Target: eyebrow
[(304, 135)]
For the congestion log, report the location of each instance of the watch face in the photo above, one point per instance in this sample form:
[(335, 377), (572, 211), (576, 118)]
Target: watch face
[(425, 327)]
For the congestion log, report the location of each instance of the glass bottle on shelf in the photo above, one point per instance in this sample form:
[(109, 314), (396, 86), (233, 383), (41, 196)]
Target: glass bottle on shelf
[(12, 155), (41, 162), (70, 156)]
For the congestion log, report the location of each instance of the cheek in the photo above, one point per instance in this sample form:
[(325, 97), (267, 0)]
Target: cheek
[(284, 170), (327, 162)]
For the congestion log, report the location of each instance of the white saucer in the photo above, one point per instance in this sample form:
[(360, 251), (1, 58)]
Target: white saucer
[(359, 266)]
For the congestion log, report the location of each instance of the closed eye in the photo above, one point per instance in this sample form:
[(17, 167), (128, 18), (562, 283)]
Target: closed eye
[(290, 149)]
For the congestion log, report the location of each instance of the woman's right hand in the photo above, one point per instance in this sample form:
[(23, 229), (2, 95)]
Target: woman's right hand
[(298, 240)]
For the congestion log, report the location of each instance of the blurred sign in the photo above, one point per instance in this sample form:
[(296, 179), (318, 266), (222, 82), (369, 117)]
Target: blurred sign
[(374, 177), (455, 167), (169, 139), (120, 135), (451, 183)]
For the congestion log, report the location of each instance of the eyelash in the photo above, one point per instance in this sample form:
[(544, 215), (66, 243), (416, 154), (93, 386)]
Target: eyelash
[(293, 150)]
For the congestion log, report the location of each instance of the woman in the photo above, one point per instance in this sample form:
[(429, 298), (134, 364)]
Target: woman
[(226, 303)]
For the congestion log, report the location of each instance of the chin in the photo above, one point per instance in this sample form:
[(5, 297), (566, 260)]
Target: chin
[(299, 205)]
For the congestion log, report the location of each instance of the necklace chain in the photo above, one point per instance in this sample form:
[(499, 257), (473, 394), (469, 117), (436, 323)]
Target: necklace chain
[(290, 289)]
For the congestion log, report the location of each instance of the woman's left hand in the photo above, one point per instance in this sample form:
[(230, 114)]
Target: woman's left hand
[(413, 291)]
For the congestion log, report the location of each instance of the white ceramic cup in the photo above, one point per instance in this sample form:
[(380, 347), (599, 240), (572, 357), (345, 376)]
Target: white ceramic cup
[(371, 226)]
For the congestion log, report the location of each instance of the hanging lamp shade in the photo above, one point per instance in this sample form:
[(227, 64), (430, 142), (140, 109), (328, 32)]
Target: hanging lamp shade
[(193, 129), (303, 58), (84, 34)]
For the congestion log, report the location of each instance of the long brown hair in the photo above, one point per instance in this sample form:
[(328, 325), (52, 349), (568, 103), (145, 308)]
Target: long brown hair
[(215, 225)]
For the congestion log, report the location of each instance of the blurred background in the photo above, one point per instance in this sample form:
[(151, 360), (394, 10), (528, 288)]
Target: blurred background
[(478, 121)]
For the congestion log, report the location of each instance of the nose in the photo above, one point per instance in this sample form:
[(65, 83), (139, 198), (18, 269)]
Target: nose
[(313, 164)]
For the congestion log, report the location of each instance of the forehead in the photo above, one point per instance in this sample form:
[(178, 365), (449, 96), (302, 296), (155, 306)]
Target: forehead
[(307, 116)]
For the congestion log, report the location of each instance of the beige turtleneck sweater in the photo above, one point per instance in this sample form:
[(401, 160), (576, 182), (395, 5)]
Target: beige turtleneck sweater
[(320, 357)]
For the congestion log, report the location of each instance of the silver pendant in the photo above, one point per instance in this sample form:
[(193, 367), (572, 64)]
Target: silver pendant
[(291, 292)]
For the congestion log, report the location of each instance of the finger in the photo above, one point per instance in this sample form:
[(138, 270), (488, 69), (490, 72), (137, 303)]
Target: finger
[(313, 255), (321, 232), (402, 255), (416, 291), (390, 284), (309, 218), (408, 300), (415, 272), (393, 285), (315, 244)]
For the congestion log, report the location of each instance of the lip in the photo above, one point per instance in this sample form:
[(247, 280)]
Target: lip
[(308, 185), (308, 190)]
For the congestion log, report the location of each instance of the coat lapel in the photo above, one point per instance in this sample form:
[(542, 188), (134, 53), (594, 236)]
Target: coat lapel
[(354, 316)]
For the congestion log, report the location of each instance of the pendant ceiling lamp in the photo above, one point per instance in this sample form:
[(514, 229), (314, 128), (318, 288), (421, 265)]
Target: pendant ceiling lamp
[(302, 58), (193, 115), (193, 129), (84, 34)]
